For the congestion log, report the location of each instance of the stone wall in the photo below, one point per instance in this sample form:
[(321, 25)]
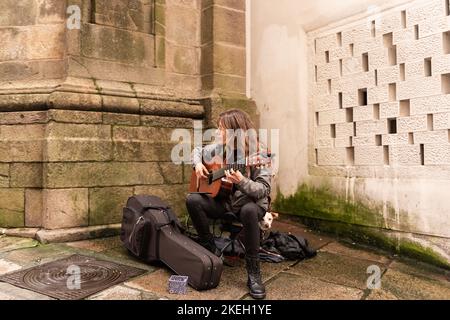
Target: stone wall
[(86, 114), (65, 169), (229, 45)]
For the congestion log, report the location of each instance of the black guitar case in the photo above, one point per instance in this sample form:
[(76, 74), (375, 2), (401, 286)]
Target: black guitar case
[(151, 231)]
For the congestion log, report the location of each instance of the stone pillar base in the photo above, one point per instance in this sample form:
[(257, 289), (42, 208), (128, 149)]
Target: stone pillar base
[(64, 169), (64, 235)]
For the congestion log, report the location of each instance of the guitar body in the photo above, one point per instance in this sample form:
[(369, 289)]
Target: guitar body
[(216, 184), (217, 188)]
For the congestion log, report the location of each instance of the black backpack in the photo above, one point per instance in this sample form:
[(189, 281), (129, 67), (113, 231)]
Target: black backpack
[(289, 246)]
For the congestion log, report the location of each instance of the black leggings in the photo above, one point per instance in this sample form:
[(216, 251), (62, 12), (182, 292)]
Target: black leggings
[(201, 207)]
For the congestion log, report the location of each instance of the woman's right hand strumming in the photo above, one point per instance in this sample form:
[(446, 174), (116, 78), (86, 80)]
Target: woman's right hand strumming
[(201, 171)]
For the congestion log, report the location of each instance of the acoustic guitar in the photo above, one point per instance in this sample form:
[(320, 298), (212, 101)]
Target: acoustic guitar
[(215, 184)]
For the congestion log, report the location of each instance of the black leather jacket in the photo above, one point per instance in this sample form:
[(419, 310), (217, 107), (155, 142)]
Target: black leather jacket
[(255, 186)]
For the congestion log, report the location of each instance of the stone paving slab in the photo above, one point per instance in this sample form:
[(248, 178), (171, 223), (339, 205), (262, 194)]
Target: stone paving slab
[(10, 292), (15, 243), (315, 240), (118, 292), (107, 248), (409, 287), (157, 283), (232, 285), (337, 269), (288, 286), (269, 270), (380, 294), (121, 254), (116, 254), (419, 269), (355, 252), (97, 245), (38, 255), (8, 266)]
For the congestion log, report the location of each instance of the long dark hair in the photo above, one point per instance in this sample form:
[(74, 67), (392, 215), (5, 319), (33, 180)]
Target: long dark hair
[(236, 119)]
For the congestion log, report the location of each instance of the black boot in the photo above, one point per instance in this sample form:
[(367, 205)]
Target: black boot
[(254, 283)]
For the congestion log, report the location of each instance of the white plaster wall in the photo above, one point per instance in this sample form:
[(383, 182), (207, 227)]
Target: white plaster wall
[(282, 80), (277, 71), (319, 13), (279, 83)]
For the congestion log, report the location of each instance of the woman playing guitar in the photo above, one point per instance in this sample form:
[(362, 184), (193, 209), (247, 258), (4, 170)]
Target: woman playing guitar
[(249, 196)]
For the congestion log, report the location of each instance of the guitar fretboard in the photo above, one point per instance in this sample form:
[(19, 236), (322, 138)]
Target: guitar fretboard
[(220, 173)]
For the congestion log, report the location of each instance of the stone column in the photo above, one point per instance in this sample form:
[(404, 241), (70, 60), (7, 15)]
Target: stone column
[(89, 118), (229, 46), (189, 44), (229, 59), (32, 64)]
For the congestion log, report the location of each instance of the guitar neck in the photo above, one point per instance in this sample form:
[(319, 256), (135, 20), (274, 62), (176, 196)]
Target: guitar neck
[(220, 173)]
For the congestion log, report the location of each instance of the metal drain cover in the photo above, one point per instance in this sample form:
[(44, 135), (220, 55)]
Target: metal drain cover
[(72, 278)]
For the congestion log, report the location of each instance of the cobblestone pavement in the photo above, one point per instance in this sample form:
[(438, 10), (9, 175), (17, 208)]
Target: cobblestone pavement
[(339, 271)]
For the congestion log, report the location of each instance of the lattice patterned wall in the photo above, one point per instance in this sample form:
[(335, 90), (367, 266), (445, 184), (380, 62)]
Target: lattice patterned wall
[(381, 89)]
